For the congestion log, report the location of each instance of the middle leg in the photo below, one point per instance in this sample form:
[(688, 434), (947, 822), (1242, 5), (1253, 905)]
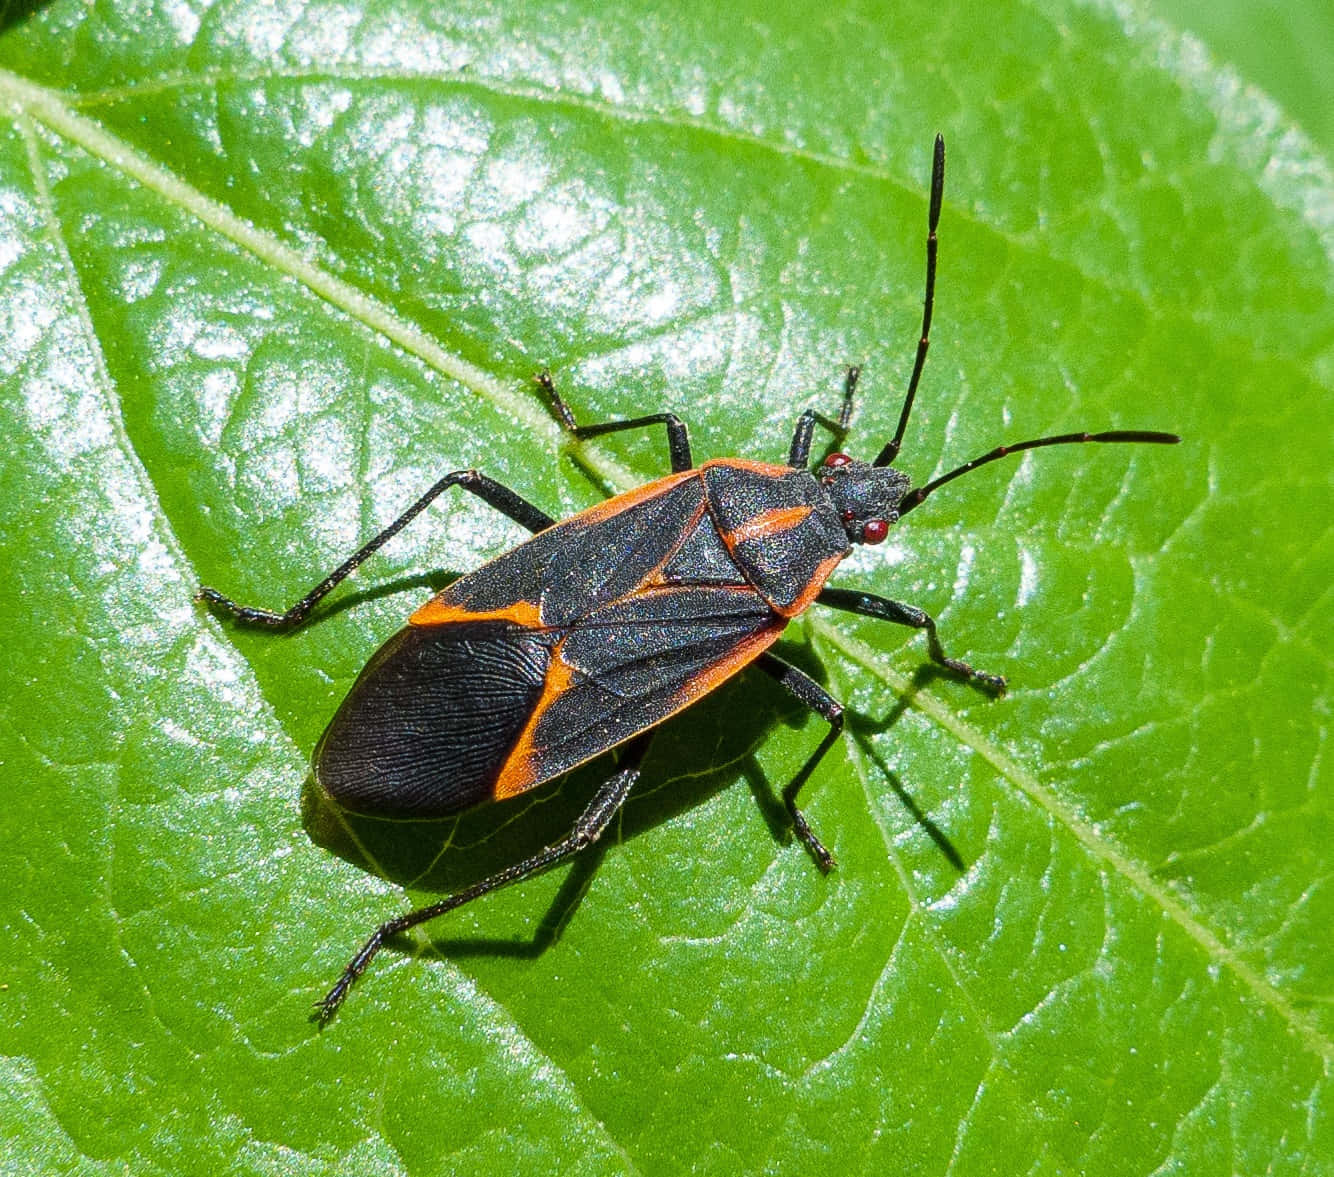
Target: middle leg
[(487, 489)]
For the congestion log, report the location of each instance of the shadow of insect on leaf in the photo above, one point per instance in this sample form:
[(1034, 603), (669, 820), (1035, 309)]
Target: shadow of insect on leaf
[(698, 755), (15, 12), (863, 727), (432, 581), (707, 748)]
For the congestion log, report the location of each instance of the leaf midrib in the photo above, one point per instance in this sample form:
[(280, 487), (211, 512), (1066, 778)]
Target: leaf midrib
[(45, 106)]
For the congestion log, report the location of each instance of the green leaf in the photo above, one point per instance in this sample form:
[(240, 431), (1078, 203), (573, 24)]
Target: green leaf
[(267, 270)]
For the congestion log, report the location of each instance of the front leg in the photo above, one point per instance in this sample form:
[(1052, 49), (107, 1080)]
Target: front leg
[(883, 609), (799, 453)]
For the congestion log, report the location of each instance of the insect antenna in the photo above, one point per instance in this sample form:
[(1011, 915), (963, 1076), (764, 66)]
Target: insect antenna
[(914, 498), (891, 450)]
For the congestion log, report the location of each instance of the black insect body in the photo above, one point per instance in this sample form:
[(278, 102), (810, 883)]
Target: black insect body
[(553, 653), (597, 629)]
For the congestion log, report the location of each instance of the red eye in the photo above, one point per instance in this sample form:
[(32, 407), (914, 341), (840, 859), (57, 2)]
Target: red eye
[(837, 460), (874, 531)]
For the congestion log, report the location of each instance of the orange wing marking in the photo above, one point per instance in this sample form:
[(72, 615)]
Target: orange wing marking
[(767, 468), (520, 772), (737, 657), (438, 612), (631, 498)]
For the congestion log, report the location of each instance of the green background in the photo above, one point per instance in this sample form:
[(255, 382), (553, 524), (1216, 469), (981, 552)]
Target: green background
[(266, 270)]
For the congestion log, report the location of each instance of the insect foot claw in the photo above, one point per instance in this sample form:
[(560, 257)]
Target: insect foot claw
[(823, 859), (995, 683), (328, 1005)]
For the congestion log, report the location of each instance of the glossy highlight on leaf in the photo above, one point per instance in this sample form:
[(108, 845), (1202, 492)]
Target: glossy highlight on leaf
[(268, 270)]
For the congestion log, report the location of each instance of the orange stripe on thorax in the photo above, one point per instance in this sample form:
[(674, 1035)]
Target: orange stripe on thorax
[(767, 523)]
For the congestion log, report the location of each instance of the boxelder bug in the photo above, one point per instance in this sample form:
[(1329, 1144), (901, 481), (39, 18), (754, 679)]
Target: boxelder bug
[(590, 634)]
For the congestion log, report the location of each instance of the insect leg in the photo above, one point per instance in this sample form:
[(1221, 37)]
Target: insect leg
[(590, 826), (827, 707), (869, 605), (800, 453), (678, 438), (486, 489)]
